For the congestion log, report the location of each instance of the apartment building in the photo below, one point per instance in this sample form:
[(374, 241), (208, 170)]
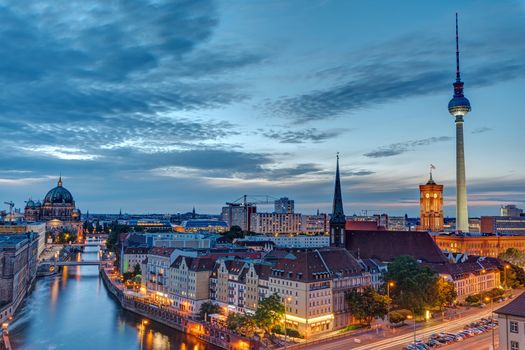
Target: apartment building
[(188, 285), (238, 285), (133, 256), (511, 319), (158, 262), (312, 284)]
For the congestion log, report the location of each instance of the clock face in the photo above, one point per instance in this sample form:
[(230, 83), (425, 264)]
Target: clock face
[(427, 195), (435, 195)]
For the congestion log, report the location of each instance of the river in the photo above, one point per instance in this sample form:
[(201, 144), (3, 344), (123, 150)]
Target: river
[(74, 311)]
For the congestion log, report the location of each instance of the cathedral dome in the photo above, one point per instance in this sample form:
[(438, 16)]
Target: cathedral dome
[(58, 195), (30, 203)]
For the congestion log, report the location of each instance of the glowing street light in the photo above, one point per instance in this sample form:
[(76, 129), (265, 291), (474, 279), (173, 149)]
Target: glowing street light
[(507, 266)]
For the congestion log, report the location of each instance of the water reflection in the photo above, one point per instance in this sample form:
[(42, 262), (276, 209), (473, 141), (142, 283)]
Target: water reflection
[(73, 310)]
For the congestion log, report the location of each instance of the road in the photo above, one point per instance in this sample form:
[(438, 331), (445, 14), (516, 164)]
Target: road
[(479, 342), (392, 342)]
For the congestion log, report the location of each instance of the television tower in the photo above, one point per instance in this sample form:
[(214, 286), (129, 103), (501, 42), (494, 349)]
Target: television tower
[(459, 106)]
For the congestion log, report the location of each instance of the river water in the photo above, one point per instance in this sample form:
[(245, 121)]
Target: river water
[(74, 311)]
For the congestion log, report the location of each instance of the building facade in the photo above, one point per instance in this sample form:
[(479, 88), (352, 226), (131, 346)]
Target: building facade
[(189, 283), (510, 210), (284, 205), (503, 225), (276, 224), (511, 319), (490, 246)]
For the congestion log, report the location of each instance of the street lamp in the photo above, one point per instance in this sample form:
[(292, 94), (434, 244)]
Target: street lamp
[(492, 316), (410, 317), (389, 285), (287, 299), (507, 266)]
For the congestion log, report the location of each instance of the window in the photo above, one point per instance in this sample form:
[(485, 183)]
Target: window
[(513, 327), (514, 345)]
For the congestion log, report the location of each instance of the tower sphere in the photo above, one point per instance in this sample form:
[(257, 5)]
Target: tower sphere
[(459, 105)]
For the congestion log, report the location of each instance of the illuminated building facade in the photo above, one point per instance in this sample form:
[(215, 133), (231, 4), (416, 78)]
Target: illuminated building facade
[(503, 225), (57, 210), (490, 246), (313, 283), (431, 206)]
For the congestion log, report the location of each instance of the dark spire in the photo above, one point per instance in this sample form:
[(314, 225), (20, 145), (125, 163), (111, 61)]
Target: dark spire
[(338, 215), (193, 213), (458, 78), (458, 85)]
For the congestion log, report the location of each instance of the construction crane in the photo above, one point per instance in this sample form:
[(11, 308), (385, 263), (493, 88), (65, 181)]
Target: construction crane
[(365, 211), (11, 205), (252, 199)]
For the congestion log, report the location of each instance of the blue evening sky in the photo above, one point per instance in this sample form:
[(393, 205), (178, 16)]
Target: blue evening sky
[(160, 105)]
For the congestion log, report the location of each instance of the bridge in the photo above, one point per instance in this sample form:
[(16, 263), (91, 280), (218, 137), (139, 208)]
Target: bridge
[(80, 263), (74, 263), (88, 244)]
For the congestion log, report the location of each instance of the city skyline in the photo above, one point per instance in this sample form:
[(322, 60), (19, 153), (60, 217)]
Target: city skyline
[(222, 108)]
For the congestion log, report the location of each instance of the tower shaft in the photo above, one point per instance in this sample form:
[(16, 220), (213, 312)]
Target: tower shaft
[(461, 182)]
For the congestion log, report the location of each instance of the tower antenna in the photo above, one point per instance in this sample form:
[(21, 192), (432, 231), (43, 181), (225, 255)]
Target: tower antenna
[(457, 50)]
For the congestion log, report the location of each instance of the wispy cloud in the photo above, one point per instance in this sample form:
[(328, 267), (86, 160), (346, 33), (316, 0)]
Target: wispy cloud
[(408, 66), (313, 135), (481, 130), (395, 149)]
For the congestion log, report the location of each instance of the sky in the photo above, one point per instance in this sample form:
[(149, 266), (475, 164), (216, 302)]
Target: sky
[(156, 106)]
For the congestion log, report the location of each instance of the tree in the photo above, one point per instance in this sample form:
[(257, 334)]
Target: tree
[(247, 326), (208, 308), (367, 305), (241, 324), (269, 312), (515, 276), (513, 256), (137, 270), (396, 317), (416, 285), (446, 294)]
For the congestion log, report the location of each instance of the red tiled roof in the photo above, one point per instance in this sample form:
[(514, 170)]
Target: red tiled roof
[(136, 250), (514, 308), (386, 245), (308, 265), (161, 251)]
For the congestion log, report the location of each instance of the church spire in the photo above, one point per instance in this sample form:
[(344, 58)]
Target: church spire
[(337, 207), (337, 219)]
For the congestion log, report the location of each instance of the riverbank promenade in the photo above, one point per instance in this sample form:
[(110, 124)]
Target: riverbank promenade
[(173, 318)]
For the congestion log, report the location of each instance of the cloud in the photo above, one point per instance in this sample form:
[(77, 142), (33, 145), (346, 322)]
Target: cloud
[(99, 64), (481, 130), (302, 136), (395, 149), (405, 67)]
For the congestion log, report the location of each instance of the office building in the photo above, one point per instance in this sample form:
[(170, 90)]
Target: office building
[(284, 205)]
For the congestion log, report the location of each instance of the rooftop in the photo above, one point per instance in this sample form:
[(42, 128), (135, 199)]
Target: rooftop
[(387, 245), (514, 308)]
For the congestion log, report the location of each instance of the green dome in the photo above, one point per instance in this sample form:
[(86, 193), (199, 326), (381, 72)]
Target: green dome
[(58, 195)]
